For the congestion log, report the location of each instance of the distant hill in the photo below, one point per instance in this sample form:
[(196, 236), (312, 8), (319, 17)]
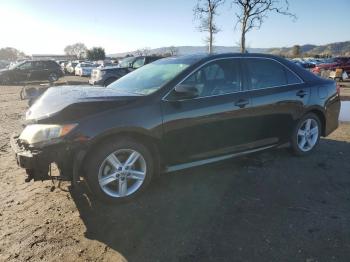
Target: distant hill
[(335, 49)]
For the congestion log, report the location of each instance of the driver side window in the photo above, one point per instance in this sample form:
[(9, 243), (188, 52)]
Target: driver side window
[(217, 78)]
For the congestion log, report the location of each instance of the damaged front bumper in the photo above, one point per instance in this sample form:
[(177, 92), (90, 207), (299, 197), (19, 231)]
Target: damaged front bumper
[(37, 161)]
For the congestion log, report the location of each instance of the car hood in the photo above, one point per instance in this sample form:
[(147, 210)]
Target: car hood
[(57, 99)]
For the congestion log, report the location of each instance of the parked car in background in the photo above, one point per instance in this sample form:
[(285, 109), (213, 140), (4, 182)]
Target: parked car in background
[(70, 67), (31, 70), (106, 64), (304, 64), (173, 114), (332, 64), (84, 69), (106, 76), (63, 66)]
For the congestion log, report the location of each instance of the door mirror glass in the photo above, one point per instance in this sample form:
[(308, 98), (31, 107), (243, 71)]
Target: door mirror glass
[(186, 91)]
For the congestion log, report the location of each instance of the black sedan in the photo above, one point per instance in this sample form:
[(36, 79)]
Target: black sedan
[(31, 70), (173, 114)]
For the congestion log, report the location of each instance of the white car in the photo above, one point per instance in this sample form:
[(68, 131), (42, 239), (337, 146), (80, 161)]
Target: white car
[(70, 67), (84, 69)]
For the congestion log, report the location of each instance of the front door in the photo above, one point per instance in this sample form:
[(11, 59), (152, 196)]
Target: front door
[(213, 124), (22, 72)]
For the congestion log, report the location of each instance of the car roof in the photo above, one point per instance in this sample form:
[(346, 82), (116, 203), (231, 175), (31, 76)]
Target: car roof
[(224, 55), (40, 60), (203, 58)]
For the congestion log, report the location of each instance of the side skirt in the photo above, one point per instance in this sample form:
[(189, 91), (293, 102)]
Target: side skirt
[(213, 160)]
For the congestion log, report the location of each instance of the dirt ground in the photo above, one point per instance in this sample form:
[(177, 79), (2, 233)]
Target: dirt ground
[(266, 207)]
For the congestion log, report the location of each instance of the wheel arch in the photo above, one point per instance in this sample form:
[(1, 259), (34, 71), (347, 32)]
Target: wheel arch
[(152, 143), (321, 115)]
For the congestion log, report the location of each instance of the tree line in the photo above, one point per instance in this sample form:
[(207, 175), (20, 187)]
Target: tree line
[(82, 52)]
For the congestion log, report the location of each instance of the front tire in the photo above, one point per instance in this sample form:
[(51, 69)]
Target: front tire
[(120, 170), (306, 135), (53, 77)]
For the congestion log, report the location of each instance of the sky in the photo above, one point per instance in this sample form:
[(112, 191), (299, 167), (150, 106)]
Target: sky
[(47, 26)]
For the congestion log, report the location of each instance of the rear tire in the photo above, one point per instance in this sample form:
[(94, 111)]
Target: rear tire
[(119, 170), (306, 135), (53, 77)]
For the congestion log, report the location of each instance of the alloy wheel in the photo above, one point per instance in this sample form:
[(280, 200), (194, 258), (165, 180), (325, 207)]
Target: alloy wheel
[(53, 77), (122, 173), (308, 135)]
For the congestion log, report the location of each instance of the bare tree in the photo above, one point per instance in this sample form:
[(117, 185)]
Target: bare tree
[(10, 54), (78, 49), (252, 14), (143, 52), (138, 52), (205, 11), (173, 51), (146, 51)]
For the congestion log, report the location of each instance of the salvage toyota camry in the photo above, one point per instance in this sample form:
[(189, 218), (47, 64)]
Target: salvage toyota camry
[(173, 114)]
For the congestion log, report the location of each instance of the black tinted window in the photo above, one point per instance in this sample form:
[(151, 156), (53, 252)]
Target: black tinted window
[(25, 66), (292, 78), (264, 73), (38, 65), (216, 78), (51, 64)]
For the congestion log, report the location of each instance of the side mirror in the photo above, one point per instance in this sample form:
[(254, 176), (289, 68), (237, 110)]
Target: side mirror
[(186, 91)]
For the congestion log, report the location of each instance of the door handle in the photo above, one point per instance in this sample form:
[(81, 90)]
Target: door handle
[(242, 103), (301, 93)]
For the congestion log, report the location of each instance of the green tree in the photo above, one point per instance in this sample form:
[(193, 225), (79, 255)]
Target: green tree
[(96, 53)]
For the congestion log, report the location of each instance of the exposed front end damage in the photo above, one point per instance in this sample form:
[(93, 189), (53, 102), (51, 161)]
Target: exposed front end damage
[(37, 161)]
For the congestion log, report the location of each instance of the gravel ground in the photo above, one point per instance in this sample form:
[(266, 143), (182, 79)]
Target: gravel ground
[(345, 90), (266, 207)]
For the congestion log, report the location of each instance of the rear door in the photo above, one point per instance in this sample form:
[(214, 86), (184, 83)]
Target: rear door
[(213, 124), (39, 71), (278, 98)]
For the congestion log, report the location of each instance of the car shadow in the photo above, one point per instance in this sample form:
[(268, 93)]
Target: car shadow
[(269, 206)]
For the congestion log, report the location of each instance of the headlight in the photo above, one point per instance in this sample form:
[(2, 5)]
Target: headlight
[(33, 134)]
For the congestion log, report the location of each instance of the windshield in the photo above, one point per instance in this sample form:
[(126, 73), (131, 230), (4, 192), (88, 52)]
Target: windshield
[(126, 61), (150, 78), (16, 64)]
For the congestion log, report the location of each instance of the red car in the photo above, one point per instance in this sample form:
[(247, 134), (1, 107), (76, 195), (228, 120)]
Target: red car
[(333, 64)]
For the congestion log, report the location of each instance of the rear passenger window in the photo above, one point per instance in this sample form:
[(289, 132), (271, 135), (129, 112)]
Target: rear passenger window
[(265, 73), (292, 78)]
